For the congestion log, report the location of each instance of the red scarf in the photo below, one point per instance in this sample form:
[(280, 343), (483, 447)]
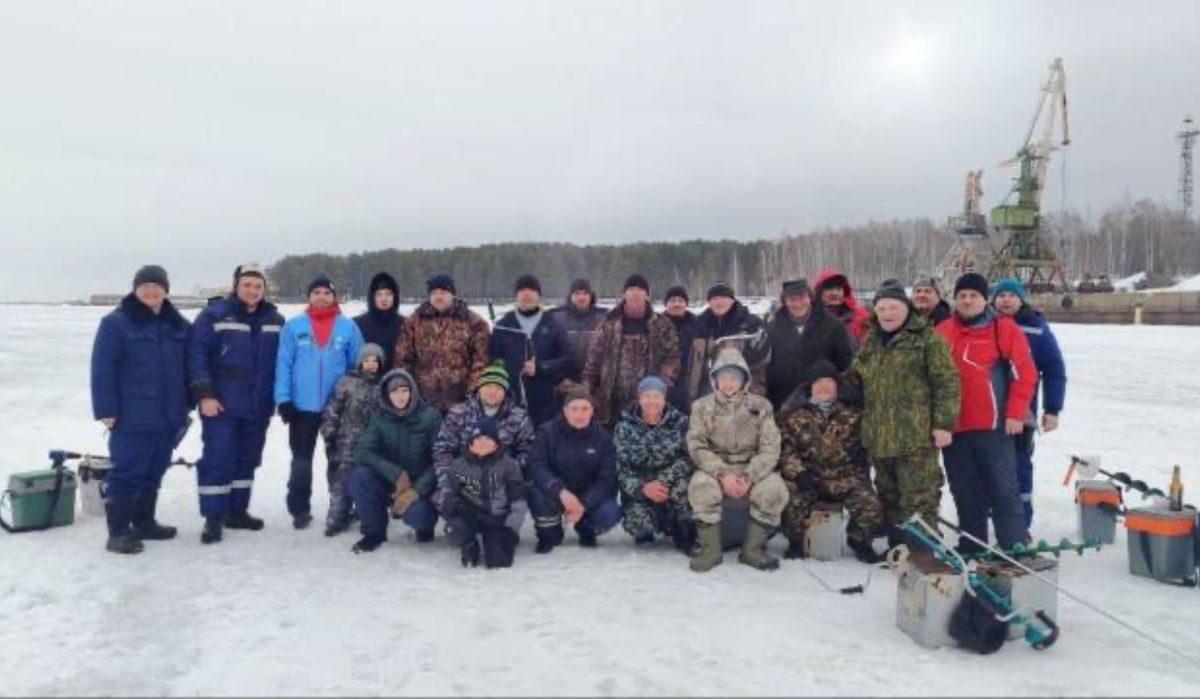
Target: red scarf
[(322, 322)]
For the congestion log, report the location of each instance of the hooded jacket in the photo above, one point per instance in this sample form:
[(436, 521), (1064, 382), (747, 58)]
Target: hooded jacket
[(852, 315), (734, 434), (382, 327), (355, 401), (401, 441)]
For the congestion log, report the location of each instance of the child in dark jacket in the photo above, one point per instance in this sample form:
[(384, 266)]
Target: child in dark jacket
[(484, 500)]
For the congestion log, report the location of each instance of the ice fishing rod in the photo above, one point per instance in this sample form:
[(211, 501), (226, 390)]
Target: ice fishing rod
[(851, 590), (528, 349), (1099, 610)]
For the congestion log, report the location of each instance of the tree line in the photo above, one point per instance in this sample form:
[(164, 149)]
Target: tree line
[(1130, 237)]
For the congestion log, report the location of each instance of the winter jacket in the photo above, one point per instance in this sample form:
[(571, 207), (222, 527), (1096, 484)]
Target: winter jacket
[(607, 365), (139, 367), (401, 441), (582, 461), (516, 432), (685, 329), (646, 453), (382, 327), (493, 485), (704, 345), (306, 374), (996, 369), (939, 313), (734, 434), (1048, 358), (852, 315), (232, 355), (549, 346), (581, 328), (793, 350), (823, 446), (446, 351), (910, 387), (355, 401)]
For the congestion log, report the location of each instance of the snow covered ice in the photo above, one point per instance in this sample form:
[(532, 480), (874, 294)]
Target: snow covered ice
[(287, 612)]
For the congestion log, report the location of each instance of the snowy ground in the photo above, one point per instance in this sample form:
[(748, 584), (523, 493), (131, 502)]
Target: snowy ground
[(286, 612)]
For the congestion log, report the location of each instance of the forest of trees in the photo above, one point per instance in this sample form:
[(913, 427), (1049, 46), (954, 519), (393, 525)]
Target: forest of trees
[(1128, 238)]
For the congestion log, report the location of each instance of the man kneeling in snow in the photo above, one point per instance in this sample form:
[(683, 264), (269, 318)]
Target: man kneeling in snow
[(394, 465), (485, 499)]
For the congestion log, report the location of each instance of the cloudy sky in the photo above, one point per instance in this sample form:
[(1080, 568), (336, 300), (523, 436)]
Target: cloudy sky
[(202, 134)]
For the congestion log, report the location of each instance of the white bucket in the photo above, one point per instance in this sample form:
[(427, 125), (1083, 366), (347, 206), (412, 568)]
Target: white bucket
[(93, 471)]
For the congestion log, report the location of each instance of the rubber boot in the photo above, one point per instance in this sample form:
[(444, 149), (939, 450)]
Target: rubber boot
[(587, 535), (548, 538), (796, 549), (684, 539), (145, 526), (710, 554), (212, 531), (119, 512), (754, 548), (367, 544)]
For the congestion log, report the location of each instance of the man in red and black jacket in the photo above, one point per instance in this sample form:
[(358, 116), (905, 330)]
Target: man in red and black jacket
[(998, 381)]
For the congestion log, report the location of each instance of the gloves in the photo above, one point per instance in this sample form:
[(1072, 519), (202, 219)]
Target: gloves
[(287, 412), (404, 497)]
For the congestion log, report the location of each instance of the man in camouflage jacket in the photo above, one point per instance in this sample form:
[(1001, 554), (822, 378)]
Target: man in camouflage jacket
[(444, 345), (822, 458), (910, 389)]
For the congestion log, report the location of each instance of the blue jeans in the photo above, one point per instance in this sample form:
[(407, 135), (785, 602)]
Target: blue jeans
[(373, 498)]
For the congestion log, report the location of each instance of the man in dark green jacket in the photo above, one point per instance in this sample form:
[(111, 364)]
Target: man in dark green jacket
[(394, 464)]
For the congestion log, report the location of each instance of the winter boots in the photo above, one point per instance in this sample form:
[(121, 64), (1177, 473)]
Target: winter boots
[(710, 554), (499, 547), (367, 544), (121, 537), (301, 521), (212, 531), (548, 538), (470, 553), (145, 526), (684, 538), (587, 535), (865, 552), (754, 548), (243, 520)]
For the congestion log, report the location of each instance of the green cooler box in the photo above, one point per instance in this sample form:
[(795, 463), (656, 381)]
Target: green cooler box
[(30, 495)]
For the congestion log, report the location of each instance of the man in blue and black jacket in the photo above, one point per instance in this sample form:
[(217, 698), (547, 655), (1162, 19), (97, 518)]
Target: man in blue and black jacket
[(232, 351), (1010, 298)]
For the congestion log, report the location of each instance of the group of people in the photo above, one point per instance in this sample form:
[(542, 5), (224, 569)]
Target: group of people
[(665, 423)]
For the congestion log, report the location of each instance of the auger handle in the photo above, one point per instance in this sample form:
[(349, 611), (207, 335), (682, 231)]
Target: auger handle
[(1048, 640)]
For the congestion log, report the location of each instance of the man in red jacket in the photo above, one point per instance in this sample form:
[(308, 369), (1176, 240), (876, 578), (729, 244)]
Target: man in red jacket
[(998, 380)]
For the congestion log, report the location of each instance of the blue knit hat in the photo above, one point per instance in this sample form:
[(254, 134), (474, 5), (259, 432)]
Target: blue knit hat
[(1010, 286), (485, 426), (652, 383)]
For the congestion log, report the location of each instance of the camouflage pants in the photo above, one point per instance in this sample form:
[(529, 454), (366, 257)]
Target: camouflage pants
[(767, 499), (866, 512), (643, 516), (909, 485)]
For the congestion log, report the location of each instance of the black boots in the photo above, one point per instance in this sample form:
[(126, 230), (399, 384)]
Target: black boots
[(684, 538), (587, 536), (121, 538), (301, 521), (243, 520), (548, 538), (367, 544), (212, 531), (145, 526), (864, 551), (471, 554)]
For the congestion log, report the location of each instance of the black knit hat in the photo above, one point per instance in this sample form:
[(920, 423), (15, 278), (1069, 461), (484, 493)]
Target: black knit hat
[(152, 274), (581, 284), (527, 281), (720, 289), (636, 280), (973, 281), (890, 289), (441, 281), (676, 292), (322, 281), (485, 426), (797, 287), (820, 369)]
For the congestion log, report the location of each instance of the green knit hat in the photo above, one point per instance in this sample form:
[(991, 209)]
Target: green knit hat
[(493, 373)]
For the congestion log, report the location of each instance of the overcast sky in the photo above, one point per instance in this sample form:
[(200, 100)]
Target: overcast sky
[(202, 134)]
